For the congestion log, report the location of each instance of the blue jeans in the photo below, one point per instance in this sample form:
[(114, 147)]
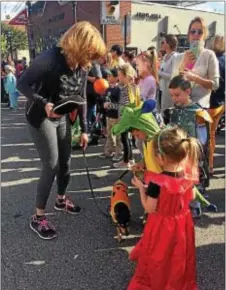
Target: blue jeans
[(91, 114), (13, 98)]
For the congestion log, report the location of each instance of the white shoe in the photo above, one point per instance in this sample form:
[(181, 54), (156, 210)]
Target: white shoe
[(117, 158), (121, 164)]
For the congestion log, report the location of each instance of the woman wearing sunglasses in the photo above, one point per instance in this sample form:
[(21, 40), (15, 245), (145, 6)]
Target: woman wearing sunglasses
[(198, 64)]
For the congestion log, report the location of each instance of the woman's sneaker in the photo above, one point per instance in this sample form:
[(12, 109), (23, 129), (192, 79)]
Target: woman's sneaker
[(65, 204), (43, 228)]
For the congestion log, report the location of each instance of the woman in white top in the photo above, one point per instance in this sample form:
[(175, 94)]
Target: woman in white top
[(169, 44), (198, 64)]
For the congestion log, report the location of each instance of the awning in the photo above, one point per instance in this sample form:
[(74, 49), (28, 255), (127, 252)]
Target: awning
[(19, 19)]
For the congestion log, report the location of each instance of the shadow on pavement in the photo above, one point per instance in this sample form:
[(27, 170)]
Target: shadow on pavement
[(211, 267)]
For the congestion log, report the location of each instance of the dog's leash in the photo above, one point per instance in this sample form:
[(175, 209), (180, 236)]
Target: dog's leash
[(91, 187)]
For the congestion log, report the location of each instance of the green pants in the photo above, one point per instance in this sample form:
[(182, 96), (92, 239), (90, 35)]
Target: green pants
[(200, 198)]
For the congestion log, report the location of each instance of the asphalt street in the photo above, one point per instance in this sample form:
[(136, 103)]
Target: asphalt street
[(85, 256)]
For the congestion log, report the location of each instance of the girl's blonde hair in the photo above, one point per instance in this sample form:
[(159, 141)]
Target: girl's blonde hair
[(81, 44), (175, 145), (128, 71), (202, 22), (108, 59), (218, 44), (151, 57)]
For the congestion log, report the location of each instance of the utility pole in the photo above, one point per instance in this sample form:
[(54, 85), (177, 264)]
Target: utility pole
[(74, 11), (125, 31), (30, 31)]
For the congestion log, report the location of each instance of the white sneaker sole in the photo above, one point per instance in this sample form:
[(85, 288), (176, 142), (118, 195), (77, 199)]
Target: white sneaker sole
[(64, 210), (43, 238)]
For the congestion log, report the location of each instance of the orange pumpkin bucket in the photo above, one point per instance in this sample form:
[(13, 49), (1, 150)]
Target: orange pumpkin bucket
[(100, 86)]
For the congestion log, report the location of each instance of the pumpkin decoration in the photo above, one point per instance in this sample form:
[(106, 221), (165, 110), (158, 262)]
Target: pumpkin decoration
[(100, 86)]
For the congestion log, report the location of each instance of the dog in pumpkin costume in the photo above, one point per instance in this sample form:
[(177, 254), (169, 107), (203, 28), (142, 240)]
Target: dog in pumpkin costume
[(120, 208)]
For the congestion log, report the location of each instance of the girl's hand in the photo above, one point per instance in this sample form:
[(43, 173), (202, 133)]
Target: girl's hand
[(138, 167), (137, 183)]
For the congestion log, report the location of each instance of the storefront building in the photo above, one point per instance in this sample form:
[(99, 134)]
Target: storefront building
[(146, 22), (150, 21), (50, 19)]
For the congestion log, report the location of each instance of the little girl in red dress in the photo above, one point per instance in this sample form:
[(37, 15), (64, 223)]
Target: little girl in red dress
[(165, 255)]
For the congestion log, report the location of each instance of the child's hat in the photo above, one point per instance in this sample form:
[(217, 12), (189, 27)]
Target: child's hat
[(135, 118), (112, 72)]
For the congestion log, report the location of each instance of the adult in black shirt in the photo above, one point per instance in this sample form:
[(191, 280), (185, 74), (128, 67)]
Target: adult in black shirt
[(57, 78)]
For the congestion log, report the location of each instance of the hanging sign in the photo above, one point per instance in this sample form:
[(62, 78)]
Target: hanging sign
[(110, 12)]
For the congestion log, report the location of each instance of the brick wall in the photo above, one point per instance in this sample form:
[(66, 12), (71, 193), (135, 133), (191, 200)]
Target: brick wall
[(114, 32), (47, 28), (89, 11)]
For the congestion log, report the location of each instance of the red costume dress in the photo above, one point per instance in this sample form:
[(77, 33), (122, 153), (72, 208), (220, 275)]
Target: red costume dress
[(165, 254)]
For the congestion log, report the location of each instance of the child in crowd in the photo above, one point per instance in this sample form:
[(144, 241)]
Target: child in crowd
[(193, 119), (165, 254), (113, 144), (143, 125), (147, 62), (10, 86), (129, 95)]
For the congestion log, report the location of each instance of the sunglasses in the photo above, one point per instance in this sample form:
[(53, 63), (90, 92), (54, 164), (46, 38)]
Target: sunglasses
[(196, 31)]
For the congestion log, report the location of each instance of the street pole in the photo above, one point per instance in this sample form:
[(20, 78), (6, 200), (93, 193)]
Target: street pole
[(9, 40), (74, 11), (30, 31), (125, 31)]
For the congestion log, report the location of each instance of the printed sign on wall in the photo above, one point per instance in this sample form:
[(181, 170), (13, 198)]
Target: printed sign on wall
[(110, 12)]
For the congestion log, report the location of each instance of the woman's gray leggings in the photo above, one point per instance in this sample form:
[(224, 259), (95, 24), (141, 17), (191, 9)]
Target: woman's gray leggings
[(53, 143)]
